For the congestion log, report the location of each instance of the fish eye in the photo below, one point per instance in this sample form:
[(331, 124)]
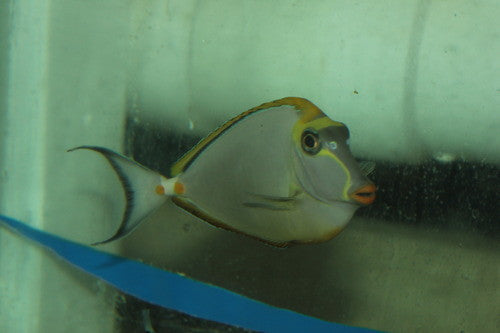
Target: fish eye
[(310, 142)]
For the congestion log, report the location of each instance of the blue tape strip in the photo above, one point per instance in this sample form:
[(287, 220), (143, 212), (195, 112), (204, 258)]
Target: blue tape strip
[(177, 292)]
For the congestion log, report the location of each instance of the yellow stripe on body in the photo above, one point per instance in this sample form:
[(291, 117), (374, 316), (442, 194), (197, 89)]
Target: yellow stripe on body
[(308, 111)]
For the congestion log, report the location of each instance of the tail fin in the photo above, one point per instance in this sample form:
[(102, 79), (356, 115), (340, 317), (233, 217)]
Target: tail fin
[(140, 186)]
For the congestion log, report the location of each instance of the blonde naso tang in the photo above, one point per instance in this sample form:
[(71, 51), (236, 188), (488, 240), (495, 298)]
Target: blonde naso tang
[(281, 172)]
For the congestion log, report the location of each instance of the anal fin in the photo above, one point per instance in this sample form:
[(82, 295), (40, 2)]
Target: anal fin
[(191, 208)]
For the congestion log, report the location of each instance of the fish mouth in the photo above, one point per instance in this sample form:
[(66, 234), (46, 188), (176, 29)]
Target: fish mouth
[(364, 195)]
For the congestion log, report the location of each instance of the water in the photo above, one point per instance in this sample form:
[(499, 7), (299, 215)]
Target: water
[(417, 83)]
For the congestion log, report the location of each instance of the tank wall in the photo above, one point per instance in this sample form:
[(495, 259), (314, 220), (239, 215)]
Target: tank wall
[(64, 86), (406, 76)]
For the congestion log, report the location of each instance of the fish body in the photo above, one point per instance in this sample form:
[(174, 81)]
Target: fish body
[(281, 172)]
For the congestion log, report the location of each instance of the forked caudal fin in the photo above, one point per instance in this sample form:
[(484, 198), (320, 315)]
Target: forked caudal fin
[(145, 190)]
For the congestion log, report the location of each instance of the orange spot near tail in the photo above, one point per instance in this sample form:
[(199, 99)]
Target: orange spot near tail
[(179, 188), (160, 190)]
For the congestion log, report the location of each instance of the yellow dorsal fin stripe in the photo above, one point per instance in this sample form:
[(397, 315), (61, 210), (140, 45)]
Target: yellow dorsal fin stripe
[(308, 111)]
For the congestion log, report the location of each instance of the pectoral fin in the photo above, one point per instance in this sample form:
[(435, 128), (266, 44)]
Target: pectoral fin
[(264, 205), (272, 202)]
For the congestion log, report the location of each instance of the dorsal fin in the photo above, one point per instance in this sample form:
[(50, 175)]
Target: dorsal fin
[(308, 111)]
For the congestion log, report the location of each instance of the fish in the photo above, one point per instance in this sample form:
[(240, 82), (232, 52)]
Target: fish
[(281, 172)]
